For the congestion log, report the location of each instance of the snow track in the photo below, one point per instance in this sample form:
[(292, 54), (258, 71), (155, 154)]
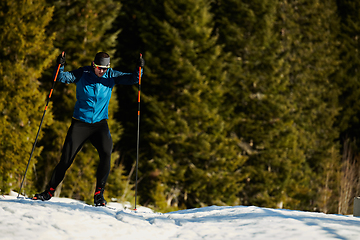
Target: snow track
[(62, 218)]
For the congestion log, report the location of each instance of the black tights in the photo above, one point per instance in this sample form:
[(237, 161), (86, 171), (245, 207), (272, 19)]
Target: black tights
[(99, 135)]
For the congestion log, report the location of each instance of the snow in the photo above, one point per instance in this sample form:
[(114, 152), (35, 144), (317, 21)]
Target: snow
[(62, 218)]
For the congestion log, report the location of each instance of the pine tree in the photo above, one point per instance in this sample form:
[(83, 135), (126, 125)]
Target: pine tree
[(189, 158), (270, 71), (23, 57), (259, 93), (348, 73), (347, 79), (309, 29)]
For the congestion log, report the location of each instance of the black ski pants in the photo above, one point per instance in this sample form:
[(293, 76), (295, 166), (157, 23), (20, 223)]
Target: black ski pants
[(78, 133)]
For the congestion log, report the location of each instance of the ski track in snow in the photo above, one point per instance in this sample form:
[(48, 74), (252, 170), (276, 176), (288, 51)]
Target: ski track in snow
[(62, 218)]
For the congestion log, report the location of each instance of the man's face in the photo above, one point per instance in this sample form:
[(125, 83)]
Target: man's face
[(99, 71)]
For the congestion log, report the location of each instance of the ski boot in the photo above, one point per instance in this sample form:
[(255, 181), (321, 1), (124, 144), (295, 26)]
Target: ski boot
[(44, 196), (99, 197)]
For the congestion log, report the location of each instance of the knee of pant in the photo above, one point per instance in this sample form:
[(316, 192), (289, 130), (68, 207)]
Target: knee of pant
[(105, 155), (65, 164), (106, 151)]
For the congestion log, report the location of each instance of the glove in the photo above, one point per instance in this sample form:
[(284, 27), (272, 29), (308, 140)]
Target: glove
[(141, 62), (61, 59)]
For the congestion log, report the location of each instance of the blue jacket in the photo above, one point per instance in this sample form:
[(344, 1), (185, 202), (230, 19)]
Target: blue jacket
[(92, 92)]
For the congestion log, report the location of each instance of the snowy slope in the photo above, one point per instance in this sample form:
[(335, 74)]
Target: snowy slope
[(62, 218)]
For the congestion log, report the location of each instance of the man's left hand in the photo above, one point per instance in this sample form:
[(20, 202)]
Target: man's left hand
[(141, 62)]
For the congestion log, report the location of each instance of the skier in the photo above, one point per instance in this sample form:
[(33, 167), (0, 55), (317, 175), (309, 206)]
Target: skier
[(94, 86)]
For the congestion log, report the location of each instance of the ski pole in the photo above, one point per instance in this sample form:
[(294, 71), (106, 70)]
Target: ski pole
[(42, 119), (138, 134)]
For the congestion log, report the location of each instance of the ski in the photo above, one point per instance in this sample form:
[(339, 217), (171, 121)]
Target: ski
[(87, 205), (111, 208)]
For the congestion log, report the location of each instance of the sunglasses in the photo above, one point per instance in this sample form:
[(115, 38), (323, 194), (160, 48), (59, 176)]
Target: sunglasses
[(101, 68)]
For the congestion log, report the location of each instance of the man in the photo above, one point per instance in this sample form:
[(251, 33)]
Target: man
[(94, 86)]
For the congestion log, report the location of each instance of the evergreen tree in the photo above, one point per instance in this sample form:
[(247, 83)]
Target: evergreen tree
[(282, 112), (23, 57), (191, 159), (347, 78), (259, 94), (348, 73), (309, 29)]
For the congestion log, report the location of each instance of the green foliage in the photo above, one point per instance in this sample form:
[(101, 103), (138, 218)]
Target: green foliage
[(243, 102), (309, 43), (258, 93), (283, 113), (192, 160), (23, 60), (347, 76)]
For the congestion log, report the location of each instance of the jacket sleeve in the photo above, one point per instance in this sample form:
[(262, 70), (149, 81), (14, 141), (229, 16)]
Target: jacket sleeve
[(68, 77), (126, 78)]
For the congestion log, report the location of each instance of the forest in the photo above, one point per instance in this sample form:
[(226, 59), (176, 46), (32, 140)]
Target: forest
[(243, 102)]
